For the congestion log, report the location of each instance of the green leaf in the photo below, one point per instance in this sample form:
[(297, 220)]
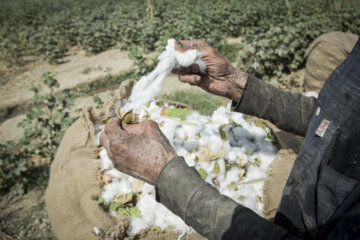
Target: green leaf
[(175, 112), (223, 134), (216, 168), (202, 172)]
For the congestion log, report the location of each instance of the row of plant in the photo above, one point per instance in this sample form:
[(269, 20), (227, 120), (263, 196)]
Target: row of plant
[(26, 162), (275, 33)]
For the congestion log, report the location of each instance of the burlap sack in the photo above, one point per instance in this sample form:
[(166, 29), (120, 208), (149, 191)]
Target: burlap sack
[(325, 54), (75, 184), (75, 181), (278, 173)]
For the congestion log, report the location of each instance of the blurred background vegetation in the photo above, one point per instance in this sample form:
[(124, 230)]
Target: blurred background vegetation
[(275, 33)]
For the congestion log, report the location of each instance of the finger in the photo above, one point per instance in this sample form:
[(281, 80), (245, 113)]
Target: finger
[(179, 46), (150, 124), (134, 128), (192, 69), (192, 79), (184, 45)]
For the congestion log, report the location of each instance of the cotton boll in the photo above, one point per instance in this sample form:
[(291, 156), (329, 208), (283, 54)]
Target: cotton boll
[(136, 224), (148, 189), (180, 134), (204, 138), (257, 132), (222, 167), (190, 145), (215, 143), (106, 163), (110, 190), (237, 117), (231, 156), (168, 128), (146, 206), (201, 64), (220, 116), (187, 58), (233, 174), (240, 132), (169, 131), (191, 130), (248, 147), (266, 147), (190, 159), (117, 174), (258, 186), (255, 173), (204, 165), (181, 151)]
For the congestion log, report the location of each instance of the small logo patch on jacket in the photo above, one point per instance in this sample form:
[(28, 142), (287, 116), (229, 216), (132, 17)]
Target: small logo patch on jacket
[(320, 131)]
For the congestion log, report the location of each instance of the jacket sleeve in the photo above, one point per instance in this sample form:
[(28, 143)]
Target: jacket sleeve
[(215, 216), (289, 111)]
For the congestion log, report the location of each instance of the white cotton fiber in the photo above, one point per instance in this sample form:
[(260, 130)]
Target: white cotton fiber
[(180, 134), (311, 94), (136, 224), (150, 85), (240, 132), (240, 155), (106, 163), (231, 156), (220, 116), (110, 190), (215, 143), (96, 230), (186, 59), (116, 173), (190, 145), (190, 159)]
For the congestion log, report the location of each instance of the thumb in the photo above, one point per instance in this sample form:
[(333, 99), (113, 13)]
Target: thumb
[(192, 79)]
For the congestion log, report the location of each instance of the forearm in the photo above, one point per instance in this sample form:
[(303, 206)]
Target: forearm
[(181, 189), (288, 111)]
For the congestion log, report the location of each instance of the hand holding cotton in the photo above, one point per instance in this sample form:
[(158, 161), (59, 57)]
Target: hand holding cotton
[(150, 85)]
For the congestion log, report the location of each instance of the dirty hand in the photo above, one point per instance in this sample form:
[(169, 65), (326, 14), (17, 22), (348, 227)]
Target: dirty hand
[(140, 150), (220, 78)]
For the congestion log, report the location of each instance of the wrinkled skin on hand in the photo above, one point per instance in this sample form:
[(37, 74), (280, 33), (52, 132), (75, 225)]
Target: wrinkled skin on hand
[(220, 78), (140, 150)]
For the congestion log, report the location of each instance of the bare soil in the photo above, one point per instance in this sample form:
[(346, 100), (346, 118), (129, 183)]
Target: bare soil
[(24, 217)]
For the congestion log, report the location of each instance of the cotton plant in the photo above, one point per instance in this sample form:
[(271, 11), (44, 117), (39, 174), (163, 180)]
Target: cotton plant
[(228, 152)]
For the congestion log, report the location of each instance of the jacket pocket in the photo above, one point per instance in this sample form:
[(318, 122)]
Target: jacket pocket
[(332, 189)]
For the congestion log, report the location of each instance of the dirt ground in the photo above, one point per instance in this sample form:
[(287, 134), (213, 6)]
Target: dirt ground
[(24, 217)]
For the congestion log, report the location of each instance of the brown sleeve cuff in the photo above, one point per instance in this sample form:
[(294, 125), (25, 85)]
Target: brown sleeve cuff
[(255, 99), (289, 111)]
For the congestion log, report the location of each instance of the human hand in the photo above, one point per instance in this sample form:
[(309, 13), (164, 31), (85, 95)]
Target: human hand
[(140, 150), (220, 78)]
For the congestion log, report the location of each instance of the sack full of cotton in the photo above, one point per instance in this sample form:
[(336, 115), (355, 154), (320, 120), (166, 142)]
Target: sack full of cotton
[(88, 198)]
